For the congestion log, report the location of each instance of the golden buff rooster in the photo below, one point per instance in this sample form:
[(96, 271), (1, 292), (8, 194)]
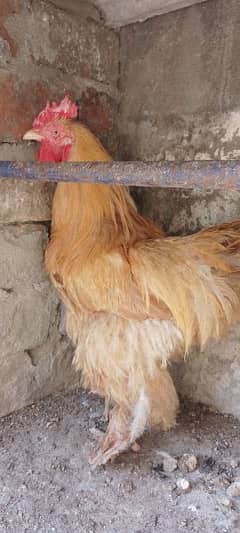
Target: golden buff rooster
[(134, 299)]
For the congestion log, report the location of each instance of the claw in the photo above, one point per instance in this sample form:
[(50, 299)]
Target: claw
[(105, 455), (116, 440), (136, 447)]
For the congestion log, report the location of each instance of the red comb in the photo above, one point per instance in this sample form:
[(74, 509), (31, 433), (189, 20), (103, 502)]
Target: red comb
[(65, 109)]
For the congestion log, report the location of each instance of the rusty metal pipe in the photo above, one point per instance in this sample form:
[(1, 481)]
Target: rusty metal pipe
[(187, 175)]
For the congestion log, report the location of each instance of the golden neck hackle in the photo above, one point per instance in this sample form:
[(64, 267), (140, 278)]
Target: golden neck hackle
[(87, 217)]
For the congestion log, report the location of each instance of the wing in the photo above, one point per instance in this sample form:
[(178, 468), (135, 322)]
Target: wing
[(108, 284)]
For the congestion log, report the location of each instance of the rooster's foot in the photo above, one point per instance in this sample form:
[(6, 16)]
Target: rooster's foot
[(116, 440), (109, 450)]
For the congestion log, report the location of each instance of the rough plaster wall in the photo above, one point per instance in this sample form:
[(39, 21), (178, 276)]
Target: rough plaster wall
[(180, 100), (119, 13), (55, 53), (35, 358)]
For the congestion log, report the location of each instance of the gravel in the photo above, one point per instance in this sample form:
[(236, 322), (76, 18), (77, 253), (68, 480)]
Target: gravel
[(47, 485)]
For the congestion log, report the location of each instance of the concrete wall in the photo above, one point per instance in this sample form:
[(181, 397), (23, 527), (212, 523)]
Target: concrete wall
[(180, 100), (43, 52)]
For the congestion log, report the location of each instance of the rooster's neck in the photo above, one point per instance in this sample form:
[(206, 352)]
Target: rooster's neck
[(100, 213), (87, 218)]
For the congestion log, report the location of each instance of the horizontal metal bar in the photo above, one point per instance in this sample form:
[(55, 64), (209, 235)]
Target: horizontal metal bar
[(189, 175)]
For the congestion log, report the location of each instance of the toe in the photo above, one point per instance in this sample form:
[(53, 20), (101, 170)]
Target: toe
[(109, 452)]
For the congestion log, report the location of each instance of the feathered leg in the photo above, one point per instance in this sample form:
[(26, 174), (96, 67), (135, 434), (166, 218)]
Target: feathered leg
[(156, 405), (106, 410), (164, 400), (116, 439)]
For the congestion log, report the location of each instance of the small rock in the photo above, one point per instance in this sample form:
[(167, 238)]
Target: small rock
[(52, 422), (234, 463), (226, 502), (159, 470), (234, 489), (223, 481), (187, 463), (183, 484), (169, 464), (192, 508)]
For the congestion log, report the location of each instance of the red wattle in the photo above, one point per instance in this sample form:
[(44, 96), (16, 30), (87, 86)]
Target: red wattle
[(52, 154)]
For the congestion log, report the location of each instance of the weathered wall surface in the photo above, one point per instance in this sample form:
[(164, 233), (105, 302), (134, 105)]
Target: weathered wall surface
[(43, 53), (180, 100)]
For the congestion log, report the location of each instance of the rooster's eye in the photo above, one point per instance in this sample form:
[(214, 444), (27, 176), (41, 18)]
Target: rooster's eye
[(55, 133)]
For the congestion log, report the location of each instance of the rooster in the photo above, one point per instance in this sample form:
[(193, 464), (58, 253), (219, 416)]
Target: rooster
[(134, 299)]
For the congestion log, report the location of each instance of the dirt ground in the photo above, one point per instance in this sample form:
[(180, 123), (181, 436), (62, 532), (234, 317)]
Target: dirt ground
[(47, 485)]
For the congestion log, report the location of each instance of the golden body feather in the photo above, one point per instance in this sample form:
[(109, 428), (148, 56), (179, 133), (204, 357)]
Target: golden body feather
[(135, 299)]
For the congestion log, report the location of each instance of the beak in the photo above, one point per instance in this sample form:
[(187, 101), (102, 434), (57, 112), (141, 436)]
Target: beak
[(32, 135)]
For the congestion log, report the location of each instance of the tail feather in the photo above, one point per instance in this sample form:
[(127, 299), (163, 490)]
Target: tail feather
[(197, 277), (226, 234)]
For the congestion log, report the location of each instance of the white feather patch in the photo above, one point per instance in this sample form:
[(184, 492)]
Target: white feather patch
[(141, 414)]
